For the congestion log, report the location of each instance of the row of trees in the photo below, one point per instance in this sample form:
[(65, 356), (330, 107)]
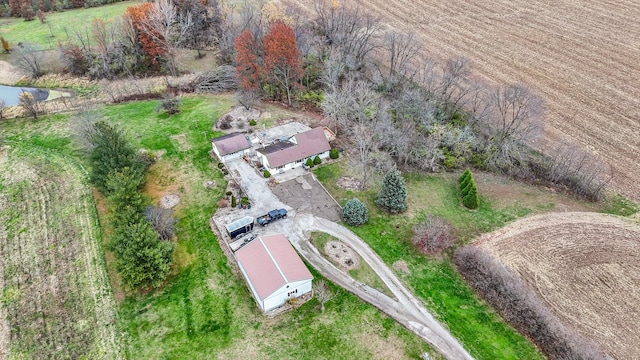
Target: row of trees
[(521, 307), (27, 8), (143, 253)]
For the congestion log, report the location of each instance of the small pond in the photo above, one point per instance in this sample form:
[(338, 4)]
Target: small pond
[(10, 94)]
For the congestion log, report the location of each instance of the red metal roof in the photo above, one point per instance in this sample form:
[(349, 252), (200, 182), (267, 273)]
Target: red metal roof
[(309, 143), (270, 262), (230, 143)]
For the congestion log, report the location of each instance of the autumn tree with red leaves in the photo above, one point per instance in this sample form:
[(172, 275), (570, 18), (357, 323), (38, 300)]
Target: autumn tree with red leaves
[(139, 15), (282, 60), (247, 66)]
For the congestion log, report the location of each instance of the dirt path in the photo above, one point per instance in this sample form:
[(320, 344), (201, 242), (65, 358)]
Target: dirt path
[(9, 74), (407, 309)]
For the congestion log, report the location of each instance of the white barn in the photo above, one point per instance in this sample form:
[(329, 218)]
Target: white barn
[(285, 155), (230, 146), (273, 270)]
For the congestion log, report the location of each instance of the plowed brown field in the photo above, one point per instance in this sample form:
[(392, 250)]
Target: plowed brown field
[(586, 268), (582, 57)]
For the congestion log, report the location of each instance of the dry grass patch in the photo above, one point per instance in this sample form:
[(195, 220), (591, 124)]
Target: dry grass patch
[(585, 267)]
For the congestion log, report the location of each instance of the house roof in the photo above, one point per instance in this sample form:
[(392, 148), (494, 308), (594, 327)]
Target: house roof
[(308, 143), (230, 143), (270, 262)]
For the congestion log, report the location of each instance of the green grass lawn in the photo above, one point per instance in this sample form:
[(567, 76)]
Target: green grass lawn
[(205, 311), (59, 24)]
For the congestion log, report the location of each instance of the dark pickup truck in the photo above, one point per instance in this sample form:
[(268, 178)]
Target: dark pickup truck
[(271, 216)]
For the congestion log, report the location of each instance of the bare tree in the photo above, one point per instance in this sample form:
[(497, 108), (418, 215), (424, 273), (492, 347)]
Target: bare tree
[(30, 104), (162, 221), (322, 292), (3, 107), (168, 29), (30, 60), (401, 50), (516, 120)]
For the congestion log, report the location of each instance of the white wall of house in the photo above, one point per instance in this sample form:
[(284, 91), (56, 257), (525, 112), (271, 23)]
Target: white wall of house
[(229, 157), (289, 166), (291, 290)]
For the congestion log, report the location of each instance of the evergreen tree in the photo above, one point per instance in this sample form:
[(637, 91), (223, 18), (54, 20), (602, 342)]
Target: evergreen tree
[(464, 178), (309, 163), (468, 190), (317, 160), (393, 194), (110, 153), (355, 212), (471, 200)]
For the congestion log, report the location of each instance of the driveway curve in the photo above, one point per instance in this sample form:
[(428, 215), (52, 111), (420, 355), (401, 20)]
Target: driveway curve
[(406, 308)]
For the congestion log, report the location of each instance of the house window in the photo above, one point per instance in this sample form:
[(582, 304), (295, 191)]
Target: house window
[(280, 167), (292, 292), (298, 161)]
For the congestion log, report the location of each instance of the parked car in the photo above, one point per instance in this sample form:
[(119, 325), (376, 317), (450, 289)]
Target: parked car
[(271, 216)]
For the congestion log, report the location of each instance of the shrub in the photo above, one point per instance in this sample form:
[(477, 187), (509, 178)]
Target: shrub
[(171, 106), (252, 122), (220, 165), (334, 153), (433, 235), (317, 160), (228, 193), (393, 194), (6, 46), (468, 190), (355, 212), (266, 174), (244, 200), (233, 201), (309, 163), (225, 122), (162, 221), (521, 307), (223, 203)]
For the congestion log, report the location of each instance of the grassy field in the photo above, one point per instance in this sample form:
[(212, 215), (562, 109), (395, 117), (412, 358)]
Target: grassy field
[(205, 310), (59, 25), (56, 298), (434, 279)]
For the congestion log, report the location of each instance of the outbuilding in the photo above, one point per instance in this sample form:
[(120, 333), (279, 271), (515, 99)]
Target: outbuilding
[(273, 270), (239, 226), (230, 146)]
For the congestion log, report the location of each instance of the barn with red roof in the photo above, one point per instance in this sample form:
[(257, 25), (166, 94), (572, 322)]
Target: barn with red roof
[(273, 270)]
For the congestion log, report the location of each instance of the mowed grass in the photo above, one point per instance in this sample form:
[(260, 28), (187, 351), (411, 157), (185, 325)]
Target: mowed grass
[(205, 310), (59, 24), (363, 272), (435, 280)]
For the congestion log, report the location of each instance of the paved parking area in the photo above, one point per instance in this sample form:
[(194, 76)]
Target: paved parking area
[(305, 194)]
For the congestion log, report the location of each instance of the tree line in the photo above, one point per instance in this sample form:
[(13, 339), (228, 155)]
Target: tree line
[(141, 234)]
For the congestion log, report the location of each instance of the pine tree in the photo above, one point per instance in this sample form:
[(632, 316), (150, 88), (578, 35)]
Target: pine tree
[(393, 194), (464, 177), (471, 200), (468, 190), (355, 212)]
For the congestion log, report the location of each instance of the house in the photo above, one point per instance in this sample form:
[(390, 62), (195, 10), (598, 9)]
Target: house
[(285, 155), (273, 270), (230, 146)]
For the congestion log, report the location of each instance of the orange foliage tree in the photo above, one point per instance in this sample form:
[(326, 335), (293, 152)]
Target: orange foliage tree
[(139, 15), (282, 60), (247, 67)]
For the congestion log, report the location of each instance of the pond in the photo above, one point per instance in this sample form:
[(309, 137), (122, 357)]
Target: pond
[(10, 94)]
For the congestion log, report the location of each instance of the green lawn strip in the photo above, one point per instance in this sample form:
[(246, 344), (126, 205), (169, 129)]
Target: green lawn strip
[(363, 272), (436, 282), (62, 25)]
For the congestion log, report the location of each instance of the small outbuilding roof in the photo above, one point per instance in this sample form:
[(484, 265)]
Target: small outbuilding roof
[(231, 143), (239, 223), (308, 143), (269, 263)]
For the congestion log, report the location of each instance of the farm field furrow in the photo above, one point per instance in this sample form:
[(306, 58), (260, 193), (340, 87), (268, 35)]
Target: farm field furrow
[(56, 299), (582, 59), (585, 267)]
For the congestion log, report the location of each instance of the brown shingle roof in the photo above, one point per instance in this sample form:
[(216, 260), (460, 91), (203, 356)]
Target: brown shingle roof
[(230, 143), (309, 143), (270, 262)]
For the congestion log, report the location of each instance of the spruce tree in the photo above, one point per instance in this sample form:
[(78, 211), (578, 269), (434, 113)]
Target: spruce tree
[(464, 178), (393, 194), (471, 200), (355, 212)]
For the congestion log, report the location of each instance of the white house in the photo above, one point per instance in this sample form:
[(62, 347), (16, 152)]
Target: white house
[(273, 270), (286, 155), (230, 146)]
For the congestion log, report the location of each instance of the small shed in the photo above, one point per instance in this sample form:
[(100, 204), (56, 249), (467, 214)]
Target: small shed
[(273, 270), (239, 226), (230, 146)]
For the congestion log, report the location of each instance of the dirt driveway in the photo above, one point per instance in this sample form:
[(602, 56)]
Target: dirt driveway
[(305, 194)]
